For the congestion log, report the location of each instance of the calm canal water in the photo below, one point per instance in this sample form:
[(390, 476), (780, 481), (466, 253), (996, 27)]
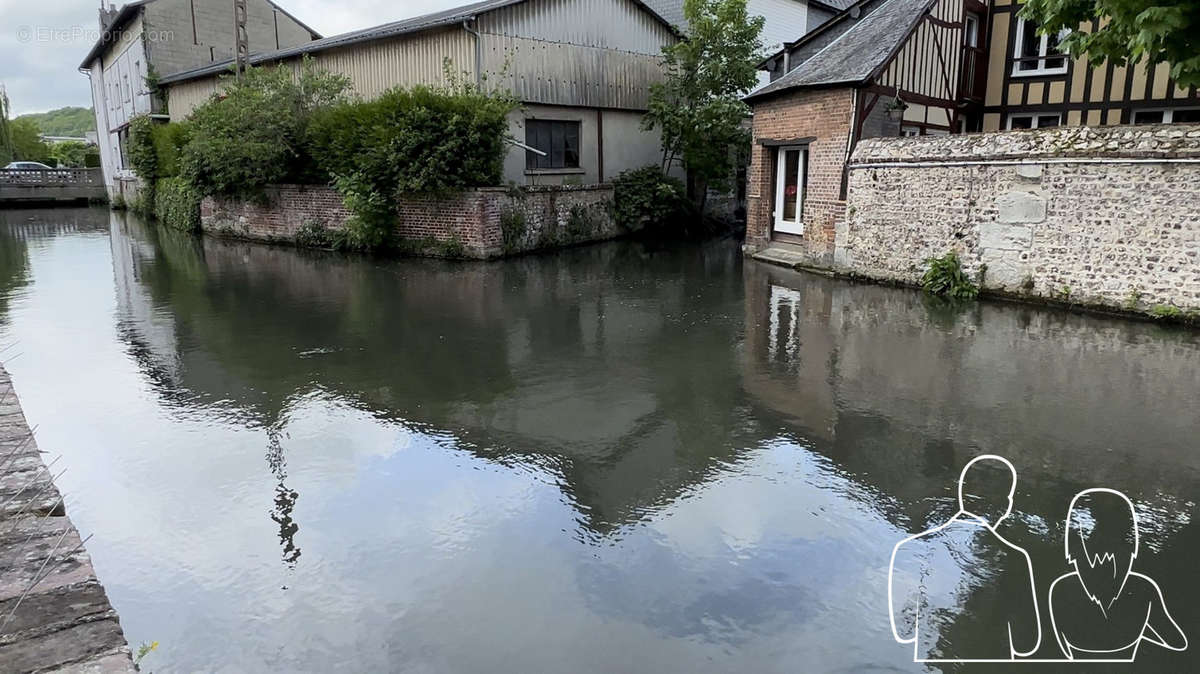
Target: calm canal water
[(609, 459)]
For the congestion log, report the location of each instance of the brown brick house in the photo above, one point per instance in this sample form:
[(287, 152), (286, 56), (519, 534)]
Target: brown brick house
[(918, 67)]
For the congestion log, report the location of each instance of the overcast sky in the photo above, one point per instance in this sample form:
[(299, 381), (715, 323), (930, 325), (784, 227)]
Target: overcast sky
[(43, 41)]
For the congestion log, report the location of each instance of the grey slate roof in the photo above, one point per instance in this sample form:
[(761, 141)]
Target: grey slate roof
[(672, 10), (854, 56), (416, 24)]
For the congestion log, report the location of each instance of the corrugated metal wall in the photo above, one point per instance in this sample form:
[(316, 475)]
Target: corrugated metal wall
[(187, 96), (559, 74), (374, 67), (608, 24), (593, 53)]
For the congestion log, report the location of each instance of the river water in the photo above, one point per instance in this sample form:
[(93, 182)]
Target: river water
[(608, 459)]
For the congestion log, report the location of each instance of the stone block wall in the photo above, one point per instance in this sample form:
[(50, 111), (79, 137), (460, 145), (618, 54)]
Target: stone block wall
[(824, 116), (1106, 216), (478, 223)]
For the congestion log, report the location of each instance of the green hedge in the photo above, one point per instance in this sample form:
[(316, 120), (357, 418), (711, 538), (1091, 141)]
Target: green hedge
[(408, 141), (253, 135), (646, 201), (177, 204)]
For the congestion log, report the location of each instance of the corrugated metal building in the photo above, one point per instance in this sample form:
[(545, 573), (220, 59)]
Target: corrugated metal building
[(582, 68)]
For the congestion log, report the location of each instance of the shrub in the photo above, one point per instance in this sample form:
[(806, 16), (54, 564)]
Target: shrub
[(946, 278), (140, 148), (253, 134), (646, 200), (408, 141), (177, 204), (169, 141)]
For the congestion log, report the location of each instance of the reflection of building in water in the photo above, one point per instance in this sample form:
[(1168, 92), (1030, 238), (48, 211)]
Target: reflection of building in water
[(785, 323), (151, 334)]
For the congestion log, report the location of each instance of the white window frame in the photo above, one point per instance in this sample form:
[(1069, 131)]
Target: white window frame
[(1033, 116), (971, 37), (1043, 56), (795, 227), (1168, 114)]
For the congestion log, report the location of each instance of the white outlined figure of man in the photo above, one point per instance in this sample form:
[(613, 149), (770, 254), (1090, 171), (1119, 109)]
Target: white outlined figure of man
[(961, 592), (1104, 610)]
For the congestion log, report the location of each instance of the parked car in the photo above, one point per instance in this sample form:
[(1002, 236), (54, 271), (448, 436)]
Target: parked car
[(27, 166)]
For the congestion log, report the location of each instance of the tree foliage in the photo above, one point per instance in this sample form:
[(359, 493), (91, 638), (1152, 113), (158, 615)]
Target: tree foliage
[(698, 108), (69, 154), (6, 143), (1130, 31), (253, 134), (68, 121), (27, 141)]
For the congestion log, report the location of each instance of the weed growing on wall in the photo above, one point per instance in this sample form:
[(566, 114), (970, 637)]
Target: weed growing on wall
[(645, 200), (945, 278), (177, 204)]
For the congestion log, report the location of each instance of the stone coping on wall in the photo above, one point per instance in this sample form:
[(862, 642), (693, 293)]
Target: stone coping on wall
[(1092, 143)]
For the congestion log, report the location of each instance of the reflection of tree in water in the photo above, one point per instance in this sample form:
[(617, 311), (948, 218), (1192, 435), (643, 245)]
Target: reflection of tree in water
[(14, 267), (285, 499)]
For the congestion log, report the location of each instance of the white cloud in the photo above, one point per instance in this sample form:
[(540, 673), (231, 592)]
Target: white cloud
[(41, 44)]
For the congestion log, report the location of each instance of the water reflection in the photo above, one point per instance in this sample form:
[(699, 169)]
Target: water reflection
[(612, 458)]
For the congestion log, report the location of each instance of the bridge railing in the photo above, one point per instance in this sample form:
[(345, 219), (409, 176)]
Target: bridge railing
[(60, 177)]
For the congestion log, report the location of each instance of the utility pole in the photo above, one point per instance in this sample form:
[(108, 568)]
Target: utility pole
[(241, 42)]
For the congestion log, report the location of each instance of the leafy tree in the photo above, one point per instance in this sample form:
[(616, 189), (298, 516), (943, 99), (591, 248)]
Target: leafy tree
[(27, 141), (698, 107), (1156, 31), (68, 121), (69, 154), (6, 144)]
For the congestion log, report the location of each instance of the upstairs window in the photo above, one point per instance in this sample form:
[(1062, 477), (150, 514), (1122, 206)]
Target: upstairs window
[(1037, 54), (558, 139)]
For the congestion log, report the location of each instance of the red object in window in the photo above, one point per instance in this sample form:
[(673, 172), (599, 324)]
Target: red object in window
[(789, 191)]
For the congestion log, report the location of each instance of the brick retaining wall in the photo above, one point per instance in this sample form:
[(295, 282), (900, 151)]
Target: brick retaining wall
[(478, 223), (1103, 216)]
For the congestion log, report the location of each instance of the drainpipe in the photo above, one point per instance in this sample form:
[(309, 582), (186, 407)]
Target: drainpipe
[(466, 24)]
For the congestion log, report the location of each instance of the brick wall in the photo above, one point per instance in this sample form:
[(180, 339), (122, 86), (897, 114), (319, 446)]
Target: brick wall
[(824, 115), (478, 223), (1106, 216)]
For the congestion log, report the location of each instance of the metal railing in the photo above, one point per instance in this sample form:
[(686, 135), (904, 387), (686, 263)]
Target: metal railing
[(52, 177)]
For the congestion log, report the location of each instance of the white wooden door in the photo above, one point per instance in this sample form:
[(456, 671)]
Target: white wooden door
[(789, 189)]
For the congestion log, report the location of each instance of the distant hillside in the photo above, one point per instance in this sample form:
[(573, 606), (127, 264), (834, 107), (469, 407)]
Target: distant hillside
[(64, 121)]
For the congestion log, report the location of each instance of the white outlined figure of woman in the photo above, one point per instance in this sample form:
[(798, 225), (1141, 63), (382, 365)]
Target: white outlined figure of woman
[(1104, 610), (932, 572)]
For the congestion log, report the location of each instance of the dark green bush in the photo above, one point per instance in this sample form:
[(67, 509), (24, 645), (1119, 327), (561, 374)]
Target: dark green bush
[(253, 134), (645, 200), (169, 141), (946, 278), (408, 141), (140, 148), (177, 204)]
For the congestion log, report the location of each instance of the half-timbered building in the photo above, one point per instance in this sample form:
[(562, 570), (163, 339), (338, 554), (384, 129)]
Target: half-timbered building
[(919, 67)]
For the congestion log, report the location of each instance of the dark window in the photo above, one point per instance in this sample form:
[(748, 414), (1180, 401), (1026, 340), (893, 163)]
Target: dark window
[(1148, 117), (1046, 121), (1186, 116), (558, 139), (1021, 123)]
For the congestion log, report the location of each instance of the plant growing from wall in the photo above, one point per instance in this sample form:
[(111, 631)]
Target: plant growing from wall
[(1129, 31), (699, 107), (144, 160), (945, 278), (177, 204)]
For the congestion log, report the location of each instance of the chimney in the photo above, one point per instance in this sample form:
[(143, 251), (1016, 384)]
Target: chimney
[(107, 16)]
